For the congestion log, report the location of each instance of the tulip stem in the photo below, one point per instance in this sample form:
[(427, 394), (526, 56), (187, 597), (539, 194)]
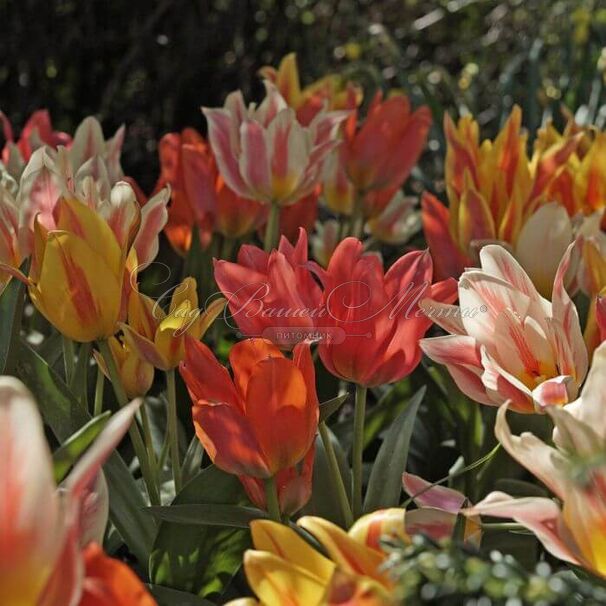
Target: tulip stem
[(272, 228), (133, 431), (271, 498), (337, 478), (358, 449), (99, 389), (68, 359), (173, 433)]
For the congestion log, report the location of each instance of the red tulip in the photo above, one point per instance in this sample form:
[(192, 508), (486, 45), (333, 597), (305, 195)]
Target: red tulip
[(200, 196), (373, 322), (263, 420), (272, 295), (381, 153)]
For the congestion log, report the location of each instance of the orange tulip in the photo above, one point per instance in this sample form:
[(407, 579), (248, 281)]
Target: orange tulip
[(200, 196), (493, 189), (262, 421), (381, 153), (109, 582)]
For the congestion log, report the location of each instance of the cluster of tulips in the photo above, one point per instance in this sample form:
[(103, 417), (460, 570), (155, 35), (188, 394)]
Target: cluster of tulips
[(316, 181)]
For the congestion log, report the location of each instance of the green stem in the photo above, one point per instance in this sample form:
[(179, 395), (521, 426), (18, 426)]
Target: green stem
[(358, 449), (228, 248), (173, 434), (133, 431), (502, 526), (99, 389), (337, 478), (272, 228), (68, 359), (271, 497)]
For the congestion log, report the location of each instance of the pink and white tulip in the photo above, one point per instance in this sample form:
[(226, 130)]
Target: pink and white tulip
[(507, 342), (574, 471), (264, 153)]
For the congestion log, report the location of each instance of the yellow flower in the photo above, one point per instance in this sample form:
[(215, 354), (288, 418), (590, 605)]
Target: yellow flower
[(159, 337)]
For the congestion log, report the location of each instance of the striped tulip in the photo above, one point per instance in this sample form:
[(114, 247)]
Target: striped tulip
[(158, 337), (493, 188), (285, 570), (264, 153), (45, 546), (507, 343), (262, 421), (574, 471)]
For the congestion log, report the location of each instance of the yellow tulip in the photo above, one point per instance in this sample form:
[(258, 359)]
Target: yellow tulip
[(159, 337), (77, 274)]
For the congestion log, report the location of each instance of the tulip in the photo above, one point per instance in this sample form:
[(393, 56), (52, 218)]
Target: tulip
[(10, 250), (372, 325), (272, 295), (283, 569), (508, 343), (493, 188), (43, 544), (372, 319), (331, 91), (301, 214), (381, 153), (438, 510), (37, 131), (200, 196), (159, 337), (78, 273), (574, 471), (264, 154), (136, 374), (264, 420), (581, 185), (398, 221)]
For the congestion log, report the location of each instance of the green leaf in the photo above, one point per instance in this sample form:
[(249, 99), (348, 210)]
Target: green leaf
[(172, 597), (11, 310), (71, 450), (208, 514), (323, 501), (195, 558), (65, 416), (385, 483), (329, 407)]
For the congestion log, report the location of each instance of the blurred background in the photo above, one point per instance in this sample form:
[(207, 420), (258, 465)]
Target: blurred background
[(151, 65)]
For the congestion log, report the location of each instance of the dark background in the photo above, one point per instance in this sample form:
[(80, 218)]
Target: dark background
[(151, 65)]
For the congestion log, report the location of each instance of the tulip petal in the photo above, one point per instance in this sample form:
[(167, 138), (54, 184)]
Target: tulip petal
[(436, 496), (540, 515), (285, 543), (30, 535), (153, 219), (244, 357), (255, 161)]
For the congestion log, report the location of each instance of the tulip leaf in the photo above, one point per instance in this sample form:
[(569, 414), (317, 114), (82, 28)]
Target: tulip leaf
[(385, 483), (208, 514), (71, 450), (200, 558), (172, 597), (324, 502), (11, 310), (331, 406), (65, 416)]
